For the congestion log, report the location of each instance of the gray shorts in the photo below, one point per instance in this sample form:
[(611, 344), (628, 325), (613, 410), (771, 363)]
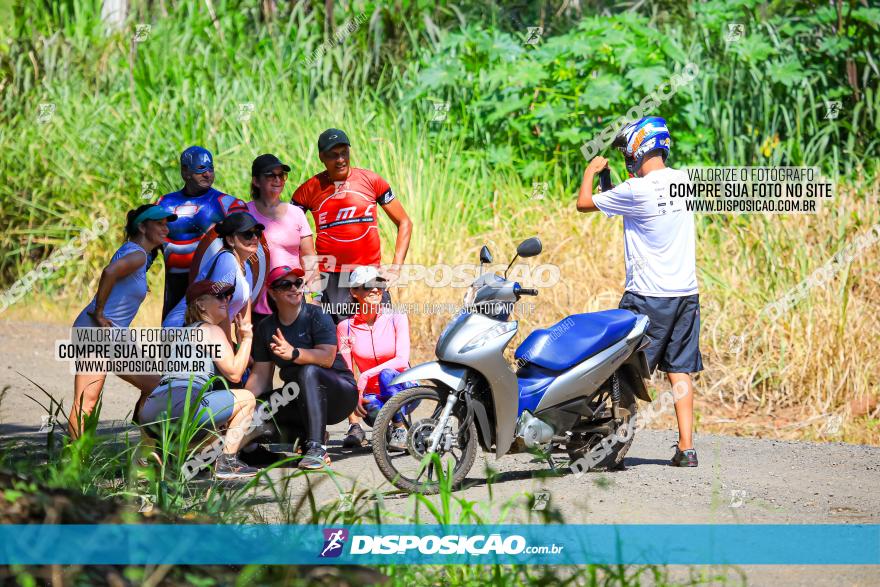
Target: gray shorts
[(215, 405), (674, 330)]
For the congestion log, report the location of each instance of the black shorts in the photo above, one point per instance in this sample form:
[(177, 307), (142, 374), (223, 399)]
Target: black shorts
[(674, 330), (337, 300), (175, 290)]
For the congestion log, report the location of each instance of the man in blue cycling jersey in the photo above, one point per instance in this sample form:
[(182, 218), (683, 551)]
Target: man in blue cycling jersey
[(198, 207)]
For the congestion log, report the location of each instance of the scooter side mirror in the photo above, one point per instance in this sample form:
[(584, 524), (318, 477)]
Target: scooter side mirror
[(529, 247), (485, 255)]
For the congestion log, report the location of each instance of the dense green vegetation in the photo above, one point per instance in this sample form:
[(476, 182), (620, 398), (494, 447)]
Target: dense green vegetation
[(125, 103)]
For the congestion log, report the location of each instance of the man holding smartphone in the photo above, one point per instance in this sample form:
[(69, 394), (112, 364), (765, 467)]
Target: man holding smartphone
[(660, 250)]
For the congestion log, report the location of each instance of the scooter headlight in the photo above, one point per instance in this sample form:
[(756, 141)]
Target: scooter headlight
[(485, 337)]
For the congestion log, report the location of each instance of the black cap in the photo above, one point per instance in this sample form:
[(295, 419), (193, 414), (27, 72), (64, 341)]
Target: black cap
[(237, 222), (264, 163), (330, 138)]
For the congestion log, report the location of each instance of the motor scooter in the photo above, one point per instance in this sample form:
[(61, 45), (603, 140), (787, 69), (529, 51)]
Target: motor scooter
[(574, 385)]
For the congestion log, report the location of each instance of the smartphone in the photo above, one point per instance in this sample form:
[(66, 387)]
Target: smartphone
[(605, 180)]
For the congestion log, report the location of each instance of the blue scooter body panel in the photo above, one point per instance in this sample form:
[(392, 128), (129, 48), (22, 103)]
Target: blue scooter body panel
[(532, 381), (574, 339)]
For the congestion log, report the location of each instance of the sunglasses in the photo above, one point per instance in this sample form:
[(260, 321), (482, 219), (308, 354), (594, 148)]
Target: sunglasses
[(370, 285), (286, 284), (250, 234), (223, 295), (269, 175)]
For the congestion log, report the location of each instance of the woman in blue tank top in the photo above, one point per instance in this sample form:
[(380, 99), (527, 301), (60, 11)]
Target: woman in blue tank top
[(240, 233), (121, 290)]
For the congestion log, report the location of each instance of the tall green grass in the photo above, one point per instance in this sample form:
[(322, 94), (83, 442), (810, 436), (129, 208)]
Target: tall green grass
[(106, 467), (125, 109)]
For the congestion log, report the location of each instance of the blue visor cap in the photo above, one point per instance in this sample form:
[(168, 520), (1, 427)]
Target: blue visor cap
[(155, 213), (197, 160)]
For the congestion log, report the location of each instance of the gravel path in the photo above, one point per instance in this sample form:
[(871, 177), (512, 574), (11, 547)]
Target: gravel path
[(739, 480)]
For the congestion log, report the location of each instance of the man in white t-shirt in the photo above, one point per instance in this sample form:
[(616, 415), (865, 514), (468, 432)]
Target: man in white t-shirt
[(661, 276)]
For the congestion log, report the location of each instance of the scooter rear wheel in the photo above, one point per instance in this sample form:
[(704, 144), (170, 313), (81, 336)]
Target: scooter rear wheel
[(621, 438), (414, 471)]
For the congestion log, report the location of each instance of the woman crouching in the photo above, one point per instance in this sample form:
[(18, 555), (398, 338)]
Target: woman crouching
[(300, 339), (207, 303)]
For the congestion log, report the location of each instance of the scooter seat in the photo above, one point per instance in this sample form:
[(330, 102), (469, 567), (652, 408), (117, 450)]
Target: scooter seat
[(574, 339)]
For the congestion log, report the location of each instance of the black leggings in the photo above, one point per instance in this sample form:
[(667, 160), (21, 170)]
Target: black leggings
[(326, 396)]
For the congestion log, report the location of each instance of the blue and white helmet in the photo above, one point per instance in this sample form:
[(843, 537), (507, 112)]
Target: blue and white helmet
[(637, 139)]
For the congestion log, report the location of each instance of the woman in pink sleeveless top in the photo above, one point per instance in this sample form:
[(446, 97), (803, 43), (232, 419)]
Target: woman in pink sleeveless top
[(287, 231), (375, 345)]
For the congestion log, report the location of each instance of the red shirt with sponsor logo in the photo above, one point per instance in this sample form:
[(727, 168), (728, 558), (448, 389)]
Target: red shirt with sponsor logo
[(346, 216)]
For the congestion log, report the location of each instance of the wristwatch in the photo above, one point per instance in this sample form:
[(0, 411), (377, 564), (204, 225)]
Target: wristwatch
[(294, 355)]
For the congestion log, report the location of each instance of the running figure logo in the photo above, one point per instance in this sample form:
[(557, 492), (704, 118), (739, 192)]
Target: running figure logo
[(334, 540), (534, 35)]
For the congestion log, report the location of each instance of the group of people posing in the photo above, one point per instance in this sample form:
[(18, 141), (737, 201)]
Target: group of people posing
[(279, 321), (321, 315)]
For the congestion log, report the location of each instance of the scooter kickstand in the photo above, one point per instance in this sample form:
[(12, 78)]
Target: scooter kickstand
[(552, 463)]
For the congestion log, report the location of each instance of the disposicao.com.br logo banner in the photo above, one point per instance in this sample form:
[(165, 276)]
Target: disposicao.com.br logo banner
[(522, 544), (414, 544)]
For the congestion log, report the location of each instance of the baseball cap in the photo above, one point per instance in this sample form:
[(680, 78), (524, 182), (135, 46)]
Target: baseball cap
[(283, 271), (266, 162), (237, 222), (198, 289), (154, 213), (330, 138), (197, 159), (366, 275)]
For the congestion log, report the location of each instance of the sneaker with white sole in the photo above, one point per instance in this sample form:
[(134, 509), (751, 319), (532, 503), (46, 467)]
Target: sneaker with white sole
[(316, 457), (229, 467), (397, 442)]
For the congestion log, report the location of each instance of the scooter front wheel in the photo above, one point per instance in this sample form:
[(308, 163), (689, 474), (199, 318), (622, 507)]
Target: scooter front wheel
[(407, 464)]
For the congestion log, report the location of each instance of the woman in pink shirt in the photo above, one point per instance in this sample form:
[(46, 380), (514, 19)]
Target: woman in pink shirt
[(287, 231), (376, 343)]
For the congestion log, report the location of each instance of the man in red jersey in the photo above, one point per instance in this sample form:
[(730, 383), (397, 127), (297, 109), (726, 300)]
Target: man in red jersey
[(343, 201)]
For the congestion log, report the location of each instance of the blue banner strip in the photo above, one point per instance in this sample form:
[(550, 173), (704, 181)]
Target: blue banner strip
[(715, 544)]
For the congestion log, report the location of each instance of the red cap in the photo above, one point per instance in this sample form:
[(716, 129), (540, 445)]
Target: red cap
[(283, 271), (204, 287)]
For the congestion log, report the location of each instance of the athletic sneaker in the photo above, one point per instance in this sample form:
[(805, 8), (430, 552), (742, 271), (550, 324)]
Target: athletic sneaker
[(300, 442), (316, 457), (355, 437), (397, 441), (229, 467), (684, 458)]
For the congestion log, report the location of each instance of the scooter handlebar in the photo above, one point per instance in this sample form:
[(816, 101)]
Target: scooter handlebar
[(525, 291)]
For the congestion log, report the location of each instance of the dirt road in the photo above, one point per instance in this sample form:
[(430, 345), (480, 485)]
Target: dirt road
[(739, 480)]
